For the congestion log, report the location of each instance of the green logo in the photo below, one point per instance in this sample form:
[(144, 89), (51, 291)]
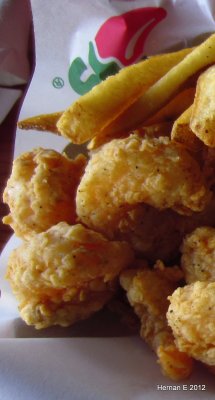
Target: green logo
[(58, 82), (100, 72)]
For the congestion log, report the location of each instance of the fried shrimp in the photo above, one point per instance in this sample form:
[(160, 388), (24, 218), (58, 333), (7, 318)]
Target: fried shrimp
[(191, 315), (159, 234), (134, 170), (65, 274), (147, 292), (41, 191), (198, 255), (152, 233)]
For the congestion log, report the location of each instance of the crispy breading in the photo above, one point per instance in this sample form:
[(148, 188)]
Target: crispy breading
[(198, 255), (152, 233), (159, 233), (65, 274), (208, 165), (147, 291), (156, 130), (41, 191), (191, 316), (126, 172)]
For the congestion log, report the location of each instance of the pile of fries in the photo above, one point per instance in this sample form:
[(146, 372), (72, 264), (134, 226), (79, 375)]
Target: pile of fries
[(145, 186), (152, 92)]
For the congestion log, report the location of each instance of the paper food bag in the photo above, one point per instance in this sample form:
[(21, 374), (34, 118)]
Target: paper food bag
[(78, 44)]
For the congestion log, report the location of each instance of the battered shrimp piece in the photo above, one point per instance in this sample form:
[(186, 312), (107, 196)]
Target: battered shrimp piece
[(157, 233), (41, 191), (147, 292), (191, 315), (198, 255), (65, 274), (152, 233), (208, 165), (134, 170)]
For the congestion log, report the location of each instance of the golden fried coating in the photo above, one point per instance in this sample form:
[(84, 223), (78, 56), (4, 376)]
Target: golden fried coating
[(152, 233), (191, 315), (147, 291), (134, 170), (198, 255), (208, 165), (41, 191), (159, 233), (65, 274)]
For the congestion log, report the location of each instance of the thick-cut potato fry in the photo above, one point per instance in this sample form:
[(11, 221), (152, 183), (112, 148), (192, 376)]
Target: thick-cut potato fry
[(43, 122), (163, 90), (153, 131), (174, 108), (95, 110), (158, 123), (182, 133), (202, 120)]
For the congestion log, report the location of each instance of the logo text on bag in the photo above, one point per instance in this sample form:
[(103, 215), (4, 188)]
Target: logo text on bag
[(119, 42)]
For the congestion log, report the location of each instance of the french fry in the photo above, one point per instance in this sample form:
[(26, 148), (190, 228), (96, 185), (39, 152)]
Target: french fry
[(92, 112), (163, 90), (182, 133), (43, 122), (174, 108), (155, 130), (202, 120), (167, 114)]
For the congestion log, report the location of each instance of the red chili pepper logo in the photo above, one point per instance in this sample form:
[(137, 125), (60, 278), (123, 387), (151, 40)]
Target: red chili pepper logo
[(119, 42), (123, 36)]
